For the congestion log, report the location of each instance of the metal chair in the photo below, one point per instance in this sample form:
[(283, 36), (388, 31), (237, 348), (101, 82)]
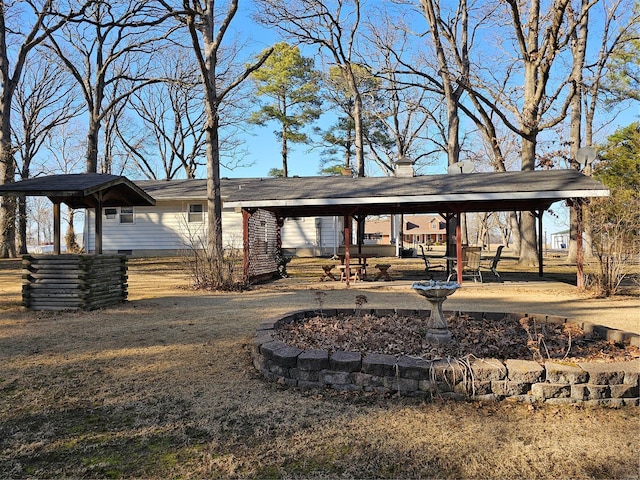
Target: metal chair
[(428, 268), (470, 264), (494, 262)]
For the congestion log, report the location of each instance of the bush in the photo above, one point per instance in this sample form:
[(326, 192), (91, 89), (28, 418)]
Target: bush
[(615, 223)]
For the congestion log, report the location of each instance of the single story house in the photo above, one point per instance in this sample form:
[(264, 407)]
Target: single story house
[(178, 222)]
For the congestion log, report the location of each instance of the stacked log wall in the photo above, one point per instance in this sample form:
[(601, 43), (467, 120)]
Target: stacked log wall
[(73, 282)]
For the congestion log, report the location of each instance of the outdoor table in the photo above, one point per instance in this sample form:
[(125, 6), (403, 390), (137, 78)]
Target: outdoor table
[(362, 261), (362, 257), (383, 272)]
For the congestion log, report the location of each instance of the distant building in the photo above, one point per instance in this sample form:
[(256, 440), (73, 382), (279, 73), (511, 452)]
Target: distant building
[(416, 230), (560, 240)]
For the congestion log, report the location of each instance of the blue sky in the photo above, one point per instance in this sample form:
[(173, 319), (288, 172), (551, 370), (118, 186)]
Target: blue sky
[(263, 148)]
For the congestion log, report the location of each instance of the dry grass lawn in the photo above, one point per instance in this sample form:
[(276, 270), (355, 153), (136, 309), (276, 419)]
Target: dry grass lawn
[(163, 387)]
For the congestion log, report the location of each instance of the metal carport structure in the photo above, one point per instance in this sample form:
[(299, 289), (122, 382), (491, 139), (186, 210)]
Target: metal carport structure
[(449, 195)]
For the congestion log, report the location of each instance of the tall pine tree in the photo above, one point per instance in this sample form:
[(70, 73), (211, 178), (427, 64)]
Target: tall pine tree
[(288, 88)]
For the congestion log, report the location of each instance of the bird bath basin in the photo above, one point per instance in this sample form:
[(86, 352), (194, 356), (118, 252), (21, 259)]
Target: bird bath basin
[(436, 293)]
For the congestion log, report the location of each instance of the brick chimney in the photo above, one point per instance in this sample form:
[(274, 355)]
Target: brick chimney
[(404, 167)]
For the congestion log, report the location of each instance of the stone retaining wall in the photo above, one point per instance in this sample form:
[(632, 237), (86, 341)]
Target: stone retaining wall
[(613, 384)]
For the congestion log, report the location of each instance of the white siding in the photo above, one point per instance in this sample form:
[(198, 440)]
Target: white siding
[(315, 233), (164, 227)]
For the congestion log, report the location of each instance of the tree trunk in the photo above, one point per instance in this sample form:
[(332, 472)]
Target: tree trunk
[(214, 200), (22, 225), (92, 147), (514, 222), (7, 174), (285, 152), (528, 237), (578, 50), (359, 140)]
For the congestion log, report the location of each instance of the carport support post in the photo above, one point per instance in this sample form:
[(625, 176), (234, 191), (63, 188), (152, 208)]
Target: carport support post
[(56, 228), (459, 251), (347, 247), (579, 246), (246, 215), (539, 214)]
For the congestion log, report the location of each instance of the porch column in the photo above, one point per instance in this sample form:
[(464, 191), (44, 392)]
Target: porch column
[(459, 252), (56, 228), (347, 247)]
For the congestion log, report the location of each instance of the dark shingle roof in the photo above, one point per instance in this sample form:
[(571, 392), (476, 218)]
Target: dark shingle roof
[(434, 193), (81, 190), (299, 196)]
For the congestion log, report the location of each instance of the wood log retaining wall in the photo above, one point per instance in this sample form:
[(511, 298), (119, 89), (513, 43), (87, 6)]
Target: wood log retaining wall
[(73, 282)]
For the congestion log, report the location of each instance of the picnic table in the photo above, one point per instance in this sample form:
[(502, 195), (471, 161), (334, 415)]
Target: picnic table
[(362, 262)]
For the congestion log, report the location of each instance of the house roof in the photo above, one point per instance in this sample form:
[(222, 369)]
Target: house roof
[(190, 189), (82, 190), (496, 191)]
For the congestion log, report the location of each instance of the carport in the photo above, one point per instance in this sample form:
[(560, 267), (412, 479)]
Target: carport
[(449, 195)]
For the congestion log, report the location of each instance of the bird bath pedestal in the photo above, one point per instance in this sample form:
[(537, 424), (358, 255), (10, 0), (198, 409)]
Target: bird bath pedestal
[(436, 293)]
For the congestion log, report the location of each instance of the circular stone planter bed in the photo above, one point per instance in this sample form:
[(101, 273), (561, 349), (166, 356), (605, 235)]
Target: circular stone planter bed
[(555, 380)]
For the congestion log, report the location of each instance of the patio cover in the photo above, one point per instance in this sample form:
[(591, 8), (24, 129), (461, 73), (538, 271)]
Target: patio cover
[(533, 191), (473, 192), (81, 190)]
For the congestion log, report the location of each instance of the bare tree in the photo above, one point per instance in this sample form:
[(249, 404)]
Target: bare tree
[(333, 27), (401, 103), (23, 26), (111, 54), (174, 120), (452, 91), (65, 147), (44, 100), (208, 26), (618, 26), (536, 103), (41, 215)]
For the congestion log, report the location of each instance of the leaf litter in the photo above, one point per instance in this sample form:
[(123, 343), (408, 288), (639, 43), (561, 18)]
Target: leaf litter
[(504, 338)]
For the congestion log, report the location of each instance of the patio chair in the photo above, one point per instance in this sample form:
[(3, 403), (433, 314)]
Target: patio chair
[(428, 267), (470, 264), (494, 262)]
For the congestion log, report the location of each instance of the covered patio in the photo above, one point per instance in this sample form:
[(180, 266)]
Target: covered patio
[(448, 195)]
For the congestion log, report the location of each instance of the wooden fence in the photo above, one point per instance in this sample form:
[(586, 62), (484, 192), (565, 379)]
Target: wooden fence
[(73, 282)]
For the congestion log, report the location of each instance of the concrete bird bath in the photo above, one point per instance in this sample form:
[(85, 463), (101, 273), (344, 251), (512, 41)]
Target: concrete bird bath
[(436, 293)]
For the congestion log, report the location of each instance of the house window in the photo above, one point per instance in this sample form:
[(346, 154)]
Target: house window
[(196, 212), (126, 214)]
